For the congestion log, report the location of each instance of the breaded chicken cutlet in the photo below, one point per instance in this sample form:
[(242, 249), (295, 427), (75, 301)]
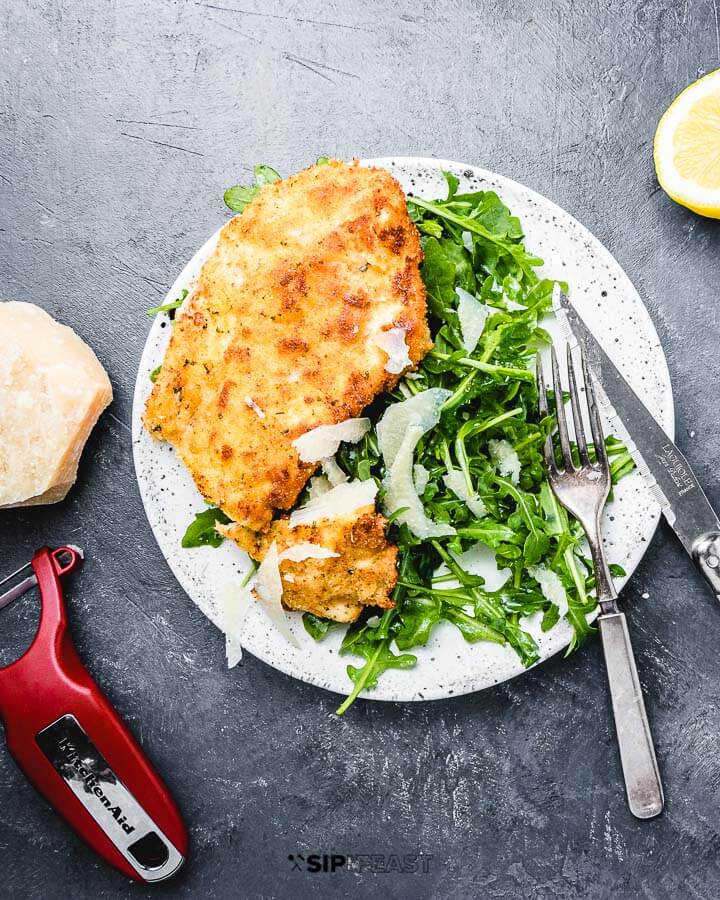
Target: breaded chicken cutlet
[(279, 335), (362, 574)]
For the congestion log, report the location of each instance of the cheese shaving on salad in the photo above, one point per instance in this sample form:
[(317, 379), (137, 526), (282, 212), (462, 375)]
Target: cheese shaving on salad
[(421, 476), (236, 600), (337, 502), (455, 481), (333, 472), (317, 486), (306, 550), (399, 432), (551, 586), (472, 315), (422, 410), (393, 343), (268, 589), (323, 441), (235, 603), (506, 460)]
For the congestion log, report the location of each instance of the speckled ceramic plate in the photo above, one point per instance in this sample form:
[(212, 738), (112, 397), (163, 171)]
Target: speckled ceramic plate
[(448, 665)]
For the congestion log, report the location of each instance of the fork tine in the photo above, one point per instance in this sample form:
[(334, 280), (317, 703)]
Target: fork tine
[(595, 420), (577, 414), (560, 413), (548, 452), (542, 392)]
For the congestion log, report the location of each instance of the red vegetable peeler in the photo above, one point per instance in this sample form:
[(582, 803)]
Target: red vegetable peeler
[(73, 746)]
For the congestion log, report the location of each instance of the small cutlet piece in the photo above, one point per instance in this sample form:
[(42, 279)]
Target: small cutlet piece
[(338, 587), (279, 334)]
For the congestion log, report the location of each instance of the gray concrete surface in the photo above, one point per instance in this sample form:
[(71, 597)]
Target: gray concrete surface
[(120, 126)]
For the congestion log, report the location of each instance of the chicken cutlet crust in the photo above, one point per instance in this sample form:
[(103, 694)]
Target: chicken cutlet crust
[(278, 335)]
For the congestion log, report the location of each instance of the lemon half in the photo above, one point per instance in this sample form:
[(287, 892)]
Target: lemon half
[(687, 147)]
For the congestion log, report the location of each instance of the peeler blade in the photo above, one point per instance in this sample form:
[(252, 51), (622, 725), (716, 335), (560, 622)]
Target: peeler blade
[(18, 589), (25, 584)]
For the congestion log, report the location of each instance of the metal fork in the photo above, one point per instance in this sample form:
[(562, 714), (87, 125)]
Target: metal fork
[(583, 491)]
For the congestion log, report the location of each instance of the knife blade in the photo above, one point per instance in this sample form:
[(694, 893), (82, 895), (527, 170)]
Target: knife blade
[(663, 466)]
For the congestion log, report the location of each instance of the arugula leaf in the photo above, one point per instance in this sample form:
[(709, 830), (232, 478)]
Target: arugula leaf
[(462, 261), (452, 182), (265, 175), (153, 376), (550, 618), (491, 533), (201, 531), (316, 627), (238, 196), (378, 659), (419, 615), (438, 273), (471, 628), (169, 307)]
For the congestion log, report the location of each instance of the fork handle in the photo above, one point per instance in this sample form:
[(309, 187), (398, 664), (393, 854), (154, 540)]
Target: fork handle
[(637, 754)]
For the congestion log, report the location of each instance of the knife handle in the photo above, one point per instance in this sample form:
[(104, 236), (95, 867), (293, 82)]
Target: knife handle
[(706, 554), (73, 747), (637, 754)]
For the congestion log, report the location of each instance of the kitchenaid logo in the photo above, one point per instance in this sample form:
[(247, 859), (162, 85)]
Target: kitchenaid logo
[(676, 469), (376, 863), (74, 760)]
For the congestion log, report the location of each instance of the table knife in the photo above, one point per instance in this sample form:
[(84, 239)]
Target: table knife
[(660, 462)]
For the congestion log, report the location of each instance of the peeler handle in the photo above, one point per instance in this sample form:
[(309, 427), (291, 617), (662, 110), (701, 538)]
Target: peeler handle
[(75, 749)]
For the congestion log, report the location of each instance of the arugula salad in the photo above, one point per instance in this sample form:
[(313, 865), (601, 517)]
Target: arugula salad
[(478, 466)]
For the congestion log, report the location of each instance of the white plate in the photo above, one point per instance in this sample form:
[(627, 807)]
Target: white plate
[(448, 665)]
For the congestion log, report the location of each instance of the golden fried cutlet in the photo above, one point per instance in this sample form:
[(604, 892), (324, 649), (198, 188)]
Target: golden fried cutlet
[(278, 335), (363, 574)]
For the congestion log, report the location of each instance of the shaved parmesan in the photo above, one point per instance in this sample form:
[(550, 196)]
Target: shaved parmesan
[(473, 315), (268, 589), (235, 602), (323, 441), (337, 502), (421, 476), (306, 550), (393, 343), (405, 390), (455, 482), (551, 586), (333, 472), (399, 431), (423, 410), (317, 486), (400, 491), (506, 460), (254, 407)]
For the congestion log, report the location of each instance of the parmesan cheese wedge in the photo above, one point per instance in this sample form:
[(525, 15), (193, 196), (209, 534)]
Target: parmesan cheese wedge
[(52, 391)]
